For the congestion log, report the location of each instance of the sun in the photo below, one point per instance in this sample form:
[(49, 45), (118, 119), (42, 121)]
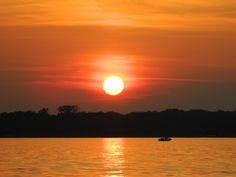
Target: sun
[(113, 85)]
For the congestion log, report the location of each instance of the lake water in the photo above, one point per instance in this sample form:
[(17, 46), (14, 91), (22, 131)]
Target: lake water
[(117, 157)]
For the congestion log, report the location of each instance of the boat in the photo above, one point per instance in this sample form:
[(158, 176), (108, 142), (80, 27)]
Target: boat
[(164, 139)]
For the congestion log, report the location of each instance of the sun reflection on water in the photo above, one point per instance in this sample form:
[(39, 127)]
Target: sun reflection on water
[(114, 157)]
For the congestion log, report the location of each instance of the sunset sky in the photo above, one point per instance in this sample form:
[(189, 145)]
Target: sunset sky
[(170, 53)]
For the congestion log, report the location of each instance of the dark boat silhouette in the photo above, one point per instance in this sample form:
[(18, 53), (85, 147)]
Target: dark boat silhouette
[(164, 139)]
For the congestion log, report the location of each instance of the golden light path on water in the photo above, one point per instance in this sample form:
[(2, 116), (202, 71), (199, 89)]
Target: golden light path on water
[(114, 157), (117, 157)]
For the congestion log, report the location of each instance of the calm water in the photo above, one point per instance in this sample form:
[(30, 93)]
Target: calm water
[(117, 157)]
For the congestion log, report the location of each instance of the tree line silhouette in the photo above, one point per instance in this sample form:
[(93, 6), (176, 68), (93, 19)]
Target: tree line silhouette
[(69, 122)]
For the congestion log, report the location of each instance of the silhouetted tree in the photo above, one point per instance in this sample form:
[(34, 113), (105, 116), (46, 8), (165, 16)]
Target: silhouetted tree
[(43, 112), (67, 109), (171, 122)]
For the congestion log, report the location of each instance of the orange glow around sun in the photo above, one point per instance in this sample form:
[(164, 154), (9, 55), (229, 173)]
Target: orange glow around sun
[(113, 85), (112, 74)]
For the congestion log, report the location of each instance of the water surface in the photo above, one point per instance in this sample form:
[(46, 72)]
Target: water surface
[(117, 157)]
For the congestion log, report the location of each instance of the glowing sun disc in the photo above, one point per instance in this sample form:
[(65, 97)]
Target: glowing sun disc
[(113, 85)]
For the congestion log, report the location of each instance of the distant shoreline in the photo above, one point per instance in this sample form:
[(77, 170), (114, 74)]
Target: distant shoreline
[(73, 124)]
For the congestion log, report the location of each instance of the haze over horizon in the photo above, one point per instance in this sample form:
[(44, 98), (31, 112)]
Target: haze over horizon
[(171, 54)]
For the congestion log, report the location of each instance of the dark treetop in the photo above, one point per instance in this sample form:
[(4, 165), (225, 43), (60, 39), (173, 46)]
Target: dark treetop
[(71, 123)]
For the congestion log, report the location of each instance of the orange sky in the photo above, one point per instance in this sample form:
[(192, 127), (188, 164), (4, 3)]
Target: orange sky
[(172, 53)]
